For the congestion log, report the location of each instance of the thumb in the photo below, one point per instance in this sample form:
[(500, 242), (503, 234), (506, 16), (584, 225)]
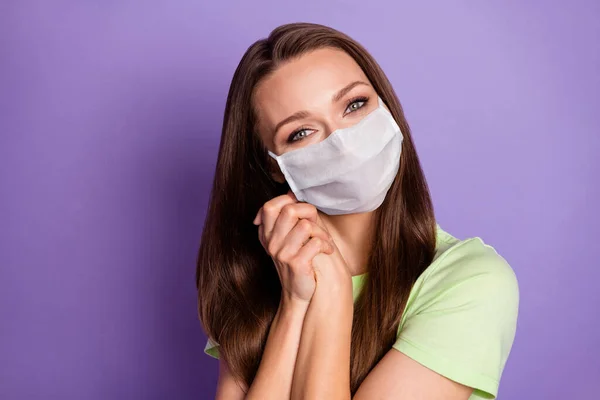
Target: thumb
[(292, 195)]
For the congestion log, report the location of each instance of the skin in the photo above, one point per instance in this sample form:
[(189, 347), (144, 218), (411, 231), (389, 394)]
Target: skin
[(307, 355)]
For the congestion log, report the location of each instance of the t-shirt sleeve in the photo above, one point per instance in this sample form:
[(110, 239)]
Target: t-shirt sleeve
[(462, 320), (212, 349)]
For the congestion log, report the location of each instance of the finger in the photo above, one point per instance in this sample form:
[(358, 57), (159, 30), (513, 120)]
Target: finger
[(258, 217), (301, 234), (271, 210), (311, 249), (292, 195), (286, 221), (301, 211), (261, 235)]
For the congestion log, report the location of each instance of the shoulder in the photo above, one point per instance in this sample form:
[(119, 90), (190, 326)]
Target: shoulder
[(468, 269), (461, 315)]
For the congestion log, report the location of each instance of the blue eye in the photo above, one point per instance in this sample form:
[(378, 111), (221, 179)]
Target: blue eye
[(303, 132), (299, 134), (356, 104)]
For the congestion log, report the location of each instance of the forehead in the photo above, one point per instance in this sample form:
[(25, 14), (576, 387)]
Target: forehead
[(304, 83)]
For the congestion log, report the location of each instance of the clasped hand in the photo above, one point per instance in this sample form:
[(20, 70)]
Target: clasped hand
[(304, 252)]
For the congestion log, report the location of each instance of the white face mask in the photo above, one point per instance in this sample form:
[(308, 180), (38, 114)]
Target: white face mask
[(351, 170)]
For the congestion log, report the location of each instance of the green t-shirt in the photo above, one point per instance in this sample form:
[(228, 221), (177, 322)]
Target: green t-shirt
[(461, 315)]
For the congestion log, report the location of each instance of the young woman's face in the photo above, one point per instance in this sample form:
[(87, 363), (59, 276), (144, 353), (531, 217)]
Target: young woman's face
[(308, 98)]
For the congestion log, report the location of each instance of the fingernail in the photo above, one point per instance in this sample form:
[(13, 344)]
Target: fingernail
[(258, 219)]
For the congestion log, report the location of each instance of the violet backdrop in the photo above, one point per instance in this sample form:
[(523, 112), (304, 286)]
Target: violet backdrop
[(110, 116)]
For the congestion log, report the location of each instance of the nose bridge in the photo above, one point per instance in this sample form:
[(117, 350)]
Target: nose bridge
[(332, 121)]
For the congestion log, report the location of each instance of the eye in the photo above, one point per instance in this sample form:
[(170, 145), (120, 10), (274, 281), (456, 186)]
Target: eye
[(300, 134), (356, 104)]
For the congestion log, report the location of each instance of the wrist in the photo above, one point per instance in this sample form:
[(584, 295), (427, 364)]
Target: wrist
[(336, 292), (333, 301), (290, 305)]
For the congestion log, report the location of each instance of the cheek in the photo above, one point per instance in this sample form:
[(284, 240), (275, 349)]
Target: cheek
[(274, 170)]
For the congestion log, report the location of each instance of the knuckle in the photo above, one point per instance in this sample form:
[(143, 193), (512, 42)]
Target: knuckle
[(269, 208), (296, 261), (271, 248), (289, 211), (283, 255), (305, 225)]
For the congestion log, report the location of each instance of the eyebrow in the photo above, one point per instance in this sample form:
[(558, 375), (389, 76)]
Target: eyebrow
[(303, 114)]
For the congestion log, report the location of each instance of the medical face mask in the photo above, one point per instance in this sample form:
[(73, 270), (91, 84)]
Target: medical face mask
[(351, 170)]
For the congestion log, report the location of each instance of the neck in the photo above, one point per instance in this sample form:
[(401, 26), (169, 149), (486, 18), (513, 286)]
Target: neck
[(353, 235)]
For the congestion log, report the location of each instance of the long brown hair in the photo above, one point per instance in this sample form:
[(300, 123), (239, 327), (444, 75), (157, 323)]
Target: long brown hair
[(238, 286)]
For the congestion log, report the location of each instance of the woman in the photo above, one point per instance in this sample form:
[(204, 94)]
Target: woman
[(322, 273)]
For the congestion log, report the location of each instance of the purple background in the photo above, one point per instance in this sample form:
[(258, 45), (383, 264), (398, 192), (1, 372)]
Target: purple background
[(110, 116)]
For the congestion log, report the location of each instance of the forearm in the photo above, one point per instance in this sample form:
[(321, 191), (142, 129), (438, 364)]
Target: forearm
[(274, 376), (323, 363)]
